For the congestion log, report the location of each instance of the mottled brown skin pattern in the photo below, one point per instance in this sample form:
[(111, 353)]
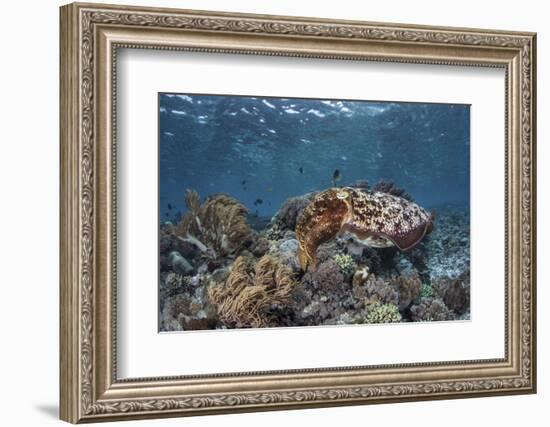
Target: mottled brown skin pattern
[(378, 219), (320, 221)]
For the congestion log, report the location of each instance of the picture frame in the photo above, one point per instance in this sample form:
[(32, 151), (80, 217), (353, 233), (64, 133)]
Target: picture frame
[(92, 36)]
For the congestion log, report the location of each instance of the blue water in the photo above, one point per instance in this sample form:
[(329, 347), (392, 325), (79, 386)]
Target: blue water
[(269, 149)]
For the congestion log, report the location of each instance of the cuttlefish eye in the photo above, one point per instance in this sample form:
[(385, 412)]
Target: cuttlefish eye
[(342, 195)]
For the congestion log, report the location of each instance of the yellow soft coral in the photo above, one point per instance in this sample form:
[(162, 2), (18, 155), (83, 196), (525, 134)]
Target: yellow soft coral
[(218, 227), (249, 292)]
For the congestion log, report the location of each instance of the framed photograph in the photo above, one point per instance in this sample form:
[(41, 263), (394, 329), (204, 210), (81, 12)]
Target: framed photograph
[(267, 212)]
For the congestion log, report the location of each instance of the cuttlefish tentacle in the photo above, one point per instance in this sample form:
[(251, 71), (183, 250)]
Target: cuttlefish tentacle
[(374, 218)]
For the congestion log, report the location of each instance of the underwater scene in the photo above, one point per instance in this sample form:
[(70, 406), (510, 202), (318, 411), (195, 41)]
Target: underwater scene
[(278, 212)]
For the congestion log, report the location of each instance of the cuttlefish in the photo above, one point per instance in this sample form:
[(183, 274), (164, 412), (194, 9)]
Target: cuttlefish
[(372, 218)]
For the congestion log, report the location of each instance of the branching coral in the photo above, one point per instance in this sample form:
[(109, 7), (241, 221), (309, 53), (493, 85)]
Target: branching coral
[(290, 211), (250, 291), (431, 309), (345, 263), (218, 227), (408, 287), (173, 282), (426, 291), (186, 312), (389, 187), (383, 313), (380, 291), (260, 246), (327, 278), (455, 293)]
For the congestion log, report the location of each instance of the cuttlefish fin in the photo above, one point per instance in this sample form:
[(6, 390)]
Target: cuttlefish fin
[(411, 239)]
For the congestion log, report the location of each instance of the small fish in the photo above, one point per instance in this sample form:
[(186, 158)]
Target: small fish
[(244, 182), (258, 202), (336, 177), (169, 207), (166, 214), (301, 170)]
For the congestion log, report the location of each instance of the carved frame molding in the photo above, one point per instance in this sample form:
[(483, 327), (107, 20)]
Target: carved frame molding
[(90, 36)]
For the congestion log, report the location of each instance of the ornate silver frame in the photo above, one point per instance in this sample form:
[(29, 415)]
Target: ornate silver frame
[(90, 36)]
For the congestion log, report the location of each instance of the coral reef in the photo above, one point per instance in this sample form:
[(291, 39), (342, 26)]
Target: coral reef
[(286, 250), (179, 264), (185, 305), (250, 292), (218, 227), (328, 277), (362, 184), (289, 212), (218, 271), (431, 309), (426, 291), (345, 263), (260, 246), (383, 313), (322, 296), (379, 291), (455, 293), (449, 243), (408, 288), (389, 187)]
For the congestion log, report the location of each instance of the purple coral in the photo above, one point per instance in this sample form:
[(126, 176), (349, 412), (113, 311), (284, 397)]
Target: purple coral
[(455, 292), (408, 288), (431, 309), (363, 184), (290, 210), (327, 277), (380, 291), (260, 246), (322, 296), (389, 187)]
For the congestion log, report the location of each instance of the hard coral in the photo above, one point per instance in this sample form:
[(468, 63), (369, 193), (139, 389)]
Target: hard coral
[(322, 296), (250, 291), (218, 227), (389, 187), (287, 215), (455, 292), (383, 313), (260, 246), (379, 291), (327, 278), (286, 250), (426, 291), (431, 309), (345, 263), (408, 287)]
